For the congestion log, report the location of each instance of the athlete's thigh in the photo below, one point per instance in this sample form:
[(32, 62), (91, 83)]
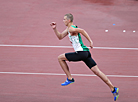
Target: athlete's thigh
[(73, 56), (90, 62)]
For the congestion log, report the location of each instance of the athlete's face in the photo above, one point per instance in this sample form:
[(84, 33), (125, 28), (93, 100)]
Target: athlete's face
[(66, 21)]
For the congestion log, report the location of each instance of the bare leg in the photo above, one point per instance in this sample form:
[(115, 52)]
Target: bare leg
[(62, 60), (100, 74)]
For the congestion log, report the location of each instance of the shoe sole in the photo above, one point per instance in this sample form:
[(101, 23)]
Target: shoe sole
[(68, 84)]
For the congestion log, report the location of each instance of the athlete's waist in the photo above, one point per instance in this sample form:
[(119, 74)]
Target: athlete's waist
[(81, 51)]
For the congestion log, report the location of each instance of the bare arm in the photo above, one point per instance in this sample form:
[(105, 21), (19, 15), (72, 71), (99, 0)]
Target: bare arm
[(84, 33), (59, 35)]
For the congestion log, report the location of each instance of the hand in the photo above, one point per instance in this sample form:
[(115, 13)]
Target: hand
[(91, 45), (53, 24)]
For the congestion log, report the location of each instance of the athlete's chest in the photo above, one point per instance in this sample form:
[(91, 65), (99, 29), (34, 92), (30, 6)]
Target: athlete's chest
[(74, 38)]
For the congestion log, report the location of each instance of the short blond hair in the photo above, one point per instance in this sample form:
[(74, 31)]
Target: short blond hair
[(69, 16)]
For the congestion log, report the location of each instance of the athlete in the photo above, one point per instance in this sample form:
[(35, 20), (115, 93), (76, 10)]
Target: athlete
[(81, 53)]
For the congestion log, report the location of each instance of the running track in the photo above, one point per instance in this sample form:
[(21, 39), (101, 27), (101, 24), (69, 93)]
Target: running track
[(29, 70)]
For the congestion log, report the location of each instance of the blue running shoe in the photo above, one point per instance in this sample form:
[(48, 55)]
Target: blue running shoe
[(115, 93), (67, 82)]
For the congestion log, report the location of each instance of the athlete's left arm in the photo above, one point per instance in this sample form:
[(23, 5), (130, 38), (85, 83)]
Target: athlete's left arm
[(84, 33)]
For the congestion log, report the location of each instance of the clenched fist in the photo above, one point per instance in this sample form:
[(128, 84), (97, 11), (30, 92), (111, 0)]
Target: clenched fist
[(53, 24)]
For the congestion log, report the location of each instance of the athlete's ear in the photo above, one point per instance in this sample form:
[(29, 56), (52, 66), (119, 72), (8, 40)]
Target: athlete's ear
[(69, 20)]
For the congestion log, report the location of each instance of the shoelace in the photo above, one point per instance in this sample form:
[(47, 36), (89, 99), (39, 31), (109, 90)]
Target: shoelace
[(66, 80), (115, 94)]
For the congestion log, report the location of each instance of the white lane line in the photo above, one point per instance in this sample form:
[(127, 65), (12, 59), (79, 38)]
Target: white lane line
[(59, 74), (110, 48), (113, 48), (35, 46)]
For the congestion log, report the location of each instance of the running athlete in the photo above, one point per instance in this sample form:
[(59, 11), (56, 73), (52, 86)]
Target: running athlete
[(81, 53)]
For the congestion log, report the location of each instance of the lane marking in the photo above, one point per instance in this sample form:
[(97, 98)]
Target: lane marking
[(109, 48), (59, 74)]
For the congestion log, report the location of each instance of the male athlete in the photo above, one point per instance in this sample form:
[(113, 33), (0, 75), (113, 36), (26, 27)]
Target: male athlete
[(81, 53)]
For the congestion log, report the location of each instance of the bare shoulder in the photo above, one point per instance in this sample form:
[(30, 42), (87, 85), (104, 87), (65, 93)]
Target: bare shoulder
[(75, 30)]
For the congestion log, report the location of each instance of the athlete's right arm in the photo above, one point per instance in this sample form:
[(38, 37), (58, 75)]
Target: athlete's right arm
[(59, 35)]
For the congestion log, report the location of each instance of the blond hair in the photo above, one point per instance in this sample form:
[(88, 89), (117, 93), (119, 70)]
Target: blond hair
[(69, 16)]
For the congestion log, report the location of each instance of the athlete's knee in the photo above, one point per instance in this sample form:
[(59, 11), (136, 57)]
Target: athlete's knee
[(96, 70), (96, 73), (61, 57)]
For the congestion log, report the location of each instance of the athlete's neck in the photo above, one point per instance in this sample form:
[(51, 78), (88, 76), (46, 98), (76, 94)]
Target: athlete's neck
[(71, 23)]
